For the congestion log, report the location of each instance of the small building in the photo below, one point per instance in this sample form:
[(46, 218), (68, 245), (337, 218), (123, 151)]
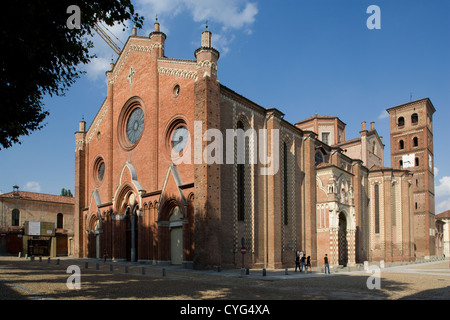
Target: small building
[(51, 213), (443, 221)]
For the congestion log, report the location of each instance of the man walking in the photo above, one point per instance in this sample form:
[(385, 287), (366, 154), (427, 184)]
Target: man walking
[(297, 261), (303, 261), (327, 266)]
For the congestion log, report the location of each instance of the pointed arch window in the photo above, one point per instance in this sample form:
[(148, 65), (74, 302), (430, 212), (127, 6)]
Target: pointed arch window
[(240, 184), (377, 209), (285, 183), (318, 157)]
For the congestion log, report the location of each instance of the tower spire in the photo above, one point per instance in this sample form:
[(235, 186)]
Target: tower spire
[(156, 24), (206, 37)]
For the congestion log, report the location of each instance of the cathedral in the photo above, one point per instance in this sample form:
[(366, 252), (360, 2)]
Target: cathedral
[(177, 168)]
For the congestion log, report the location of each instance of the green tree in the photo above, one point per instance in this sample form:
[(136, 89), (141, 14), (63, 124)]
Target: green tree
[(66, 192), (39, 55)]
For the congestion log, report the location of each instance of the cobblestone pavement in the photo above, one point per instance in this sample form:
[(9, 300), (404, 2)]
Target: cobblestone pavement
[(22, 279)]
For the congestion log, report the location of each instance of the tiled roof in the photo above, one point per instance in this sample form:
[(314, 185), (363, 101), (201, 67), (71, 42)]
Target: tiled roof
[(319, 116), (445, 214), (25, 195)]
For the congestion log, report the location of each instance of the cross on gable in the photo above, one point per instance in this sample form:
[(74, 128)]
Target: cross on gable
[(131, 75)]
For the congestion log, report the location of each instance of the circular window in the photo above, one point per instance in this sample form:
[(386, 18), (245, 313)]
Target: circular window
[(135, 125), (99, 170), (179, 139), (131, 124), (176, 90)]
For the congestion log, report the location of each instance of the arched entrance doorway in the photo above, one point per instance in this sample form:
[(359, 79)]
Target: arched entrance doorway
[(131, 234), (93, 237), (342, 238), (176, 236)]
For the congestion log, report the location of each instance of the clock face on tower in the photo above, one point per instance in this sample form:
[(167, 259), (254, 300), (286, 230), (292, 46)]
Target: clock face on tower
[(408, 161), (179, 139)]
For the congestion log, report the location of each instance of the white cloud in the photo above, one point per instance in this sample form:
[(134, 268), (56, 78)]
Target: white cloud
[(383, 115), (222, 43), (228, 14), (443, 205), (96, 69), (443, 189), (436, 172), (32, 186), (235, 14)]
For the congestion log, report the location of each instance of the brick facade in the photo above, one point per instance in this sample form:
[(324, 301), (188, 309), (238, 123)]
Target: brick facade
[(412, 136), (135, 201)]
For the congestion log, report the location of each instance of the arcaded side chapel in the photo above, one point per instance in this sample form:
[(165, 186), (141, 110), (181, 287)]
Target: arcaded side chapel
[(327, 194)]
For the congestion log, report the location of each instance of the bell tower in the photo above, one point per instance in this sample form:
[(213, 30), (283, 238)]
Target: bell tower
[(412, 149), (208, 246)]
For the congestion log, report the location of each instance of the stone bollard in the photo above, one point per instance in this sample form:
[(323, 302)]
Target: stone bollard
[(164, 272), (48, 260), (247, 271), (86, 265), (286, 271), (143, 270), (264, 273), (111, 268), (40, 258), (97, 266), (126, 269), (57, 261)]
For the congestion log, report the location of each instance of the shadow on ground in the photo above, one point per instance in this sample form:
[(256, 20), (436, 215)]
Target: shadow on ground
[(50, 281)]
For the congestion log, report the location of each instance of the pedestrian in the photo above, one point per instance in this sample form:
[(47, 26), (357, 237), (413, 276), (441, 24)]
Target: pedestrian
[(308, 264), (104, 255), (303, 261), (327, 266), (297, 261)]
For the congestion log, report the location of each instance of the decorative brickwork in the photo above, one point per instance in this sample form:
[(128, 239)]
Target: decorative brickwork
[(134, 202)]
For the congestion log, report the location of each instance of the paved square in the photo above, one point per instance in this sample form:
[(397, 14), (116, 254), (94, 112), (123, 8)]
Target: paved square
[(22, 279)]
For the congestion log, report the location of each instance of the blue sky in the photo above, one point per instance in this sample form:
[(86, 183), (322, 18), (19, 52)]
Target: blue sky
[(300, 56)]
